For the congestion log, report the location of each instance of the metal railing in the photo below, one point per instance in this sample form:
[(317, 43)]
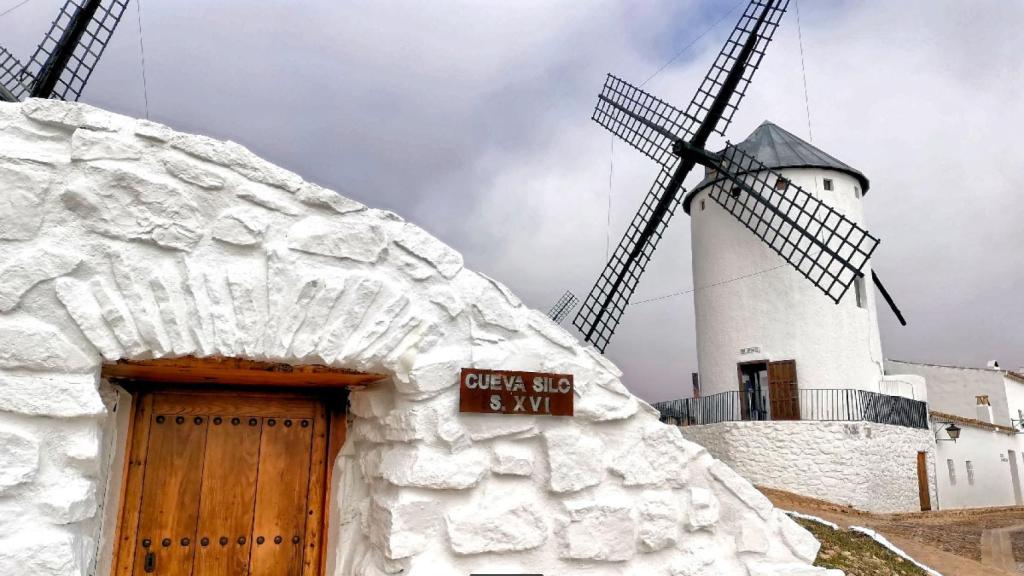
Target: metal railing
[(819, 404)]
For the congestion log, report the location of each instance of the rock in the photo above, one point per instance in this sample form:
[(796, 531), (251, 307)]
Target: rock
[(425, 467), (44, 146), (71, 115), (435, 371), (70, 501), (598, 404), (403, 527), (131, 205), (742, 489), (192, 172), (269, 198), (240, 226), (485, 426), (604, 532), (576, 461), (661, 456), (447, 300), (40, 551), (92, 145), (237, 158), (316, 196), (19, 458), (553, 332), (699, 551), (803, 544), (25, 186), (358, 240), (153, 130), (507, 527), (30, 267), (659, 521), (85, 310), (373, 402), (512, 459), (30, 344), (416, 240), (59, 395), (704, 508), (752, 537)]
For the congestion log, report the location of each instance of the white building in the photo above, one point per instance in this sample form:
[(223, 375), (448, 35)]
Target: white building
[(793, 390), (169, 301), (985, 465)]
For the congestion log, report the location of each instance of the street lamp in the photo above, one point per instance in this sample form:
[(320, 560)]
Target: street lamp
[(952, 430)]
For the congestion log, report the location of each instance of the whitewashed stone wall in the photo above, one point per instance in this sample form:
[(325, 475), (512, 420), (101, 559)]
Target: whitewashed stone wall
[(872, 467), (123, 239)]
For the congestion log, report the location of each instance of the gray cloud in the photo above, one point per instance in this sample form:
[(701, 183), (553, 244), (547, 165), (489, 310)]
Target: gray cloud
[(472, 119)]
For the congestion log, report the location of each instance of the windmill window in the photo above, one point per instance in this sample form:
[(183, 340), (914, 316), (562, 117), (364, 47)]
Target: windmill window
[(781, 184), (952, 472), (828, 184), (856, 191), (701, 205), (970, 473), (858, 290)]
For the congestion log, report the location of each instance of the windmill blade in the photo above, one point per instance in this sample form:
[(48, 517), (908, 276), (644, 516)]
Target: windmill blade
[(826, 247), (565, 305), (888, 298), (71, 49), (645, 122), (602, 310), (760, 20), (14, 81)]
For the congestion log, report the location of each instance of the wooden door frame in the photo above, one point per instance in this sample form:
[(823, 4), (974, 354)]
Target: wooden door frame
[(144, 378), (744, 407)]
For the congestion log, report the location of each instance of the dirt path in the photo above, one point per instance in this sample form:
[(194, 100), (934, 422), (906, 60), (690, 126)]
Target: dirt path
[(952, 542)]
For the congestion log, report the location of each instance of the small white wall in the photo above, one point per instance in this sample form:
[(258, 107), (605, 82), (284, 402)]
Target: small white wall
[(122, 239), (780, 312), (1014, 390), (872, 467), (952, 390), (987, 450)]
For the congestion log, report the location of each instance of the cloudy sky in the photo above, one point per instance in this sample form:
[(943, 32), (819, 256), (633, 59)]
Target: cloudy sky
[(472, 119)]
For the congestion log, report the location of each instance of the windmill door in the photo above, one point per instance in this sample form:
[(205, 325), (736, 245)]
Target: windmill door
[(782, 390), (231, 485)]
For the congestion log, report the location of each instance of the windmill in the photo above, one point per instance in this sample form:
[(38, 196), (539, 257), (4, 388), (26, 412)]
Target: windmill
[(565, 305), (826, 247), (64, 60)]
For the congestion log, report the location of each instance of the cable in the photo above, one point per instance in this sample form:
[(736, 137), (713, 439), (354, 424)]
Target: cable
[(807, 100), (13, 8), (692, 42), (674, 294), (142, 57)]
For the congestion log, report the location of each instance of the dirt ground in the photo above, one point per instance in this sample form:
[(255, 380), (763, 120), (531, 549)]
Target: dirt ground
[(947, 541)]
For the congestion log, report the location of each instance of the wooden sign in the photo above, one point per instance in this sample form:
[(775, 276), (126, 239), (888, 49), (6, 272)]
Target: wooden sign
[(508, 392)]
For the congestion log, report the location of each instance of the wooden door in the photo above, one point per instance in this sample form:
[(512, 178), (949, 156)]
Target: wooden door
[(782, 390), (224, 484), (924, 494)]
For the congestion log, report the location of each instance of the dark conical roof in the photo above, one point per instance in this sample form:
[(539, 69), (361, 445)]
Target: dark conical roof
[(778, 148)]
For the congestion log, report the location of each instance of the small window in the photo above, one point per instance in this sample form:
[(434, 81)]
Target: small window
[(856, 191), (781, 184), (858, 289), (970, 473), (828, 183), (952, 472), (701, 205)]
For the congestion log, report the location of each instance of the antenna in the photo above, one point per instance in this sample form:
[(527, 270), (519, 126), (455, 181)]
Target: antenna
[(67, 55), (565, 305)]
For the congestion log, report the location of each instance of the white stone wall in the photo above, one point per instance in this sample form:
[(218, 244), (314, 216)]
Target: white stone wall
[(774, 307), (989, 452), (123, 239), (872, 467), (953, 390)]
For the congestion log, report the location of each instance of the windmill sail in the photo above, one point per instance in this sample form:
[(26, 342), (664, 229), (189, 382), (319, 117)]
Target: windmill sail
[(565, 305), (71, 49), (826, 247), (652, 126), (14, 81)]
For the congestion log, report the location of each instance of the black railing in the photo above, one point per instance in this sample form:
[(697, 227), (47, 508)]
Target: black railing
[(821, 404)]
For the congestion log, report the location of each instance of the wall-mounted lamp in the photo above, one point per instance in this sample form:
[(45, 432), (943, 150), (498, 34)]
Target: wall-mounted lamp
[(952, 430)]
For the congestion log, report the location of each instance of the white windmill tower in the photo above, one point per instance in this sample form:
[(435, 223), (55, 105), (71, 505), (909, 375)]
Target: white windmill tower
[(758, 320)]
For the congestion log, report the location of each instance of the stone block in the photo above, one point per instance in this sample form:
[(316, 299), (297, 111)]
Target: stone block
[(239, 226), (361, 240), (192, 172), (752, 537), (496, 527), (402, 527), (19, 458), (59, 395), (803, 544), (659, 521), (21, 204), (742, 489), (576, 461), (268, 197), (153, 130), (314, 195), (30, 344), (704, 508), (40, 551), (421, 466), (72, 115), (602, 532), (435, 370), (512, 459), (237, 158), (95, 145), (416, 240), (72, 500), (661, 456), (373, 402)]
